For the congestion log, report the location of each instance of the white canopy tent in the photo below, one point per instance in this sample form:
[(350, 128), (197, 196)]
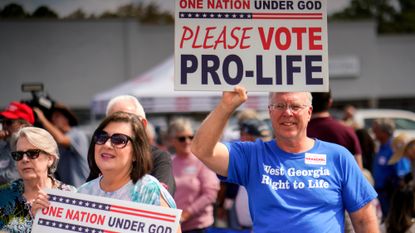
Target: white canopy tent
[(155, 91)]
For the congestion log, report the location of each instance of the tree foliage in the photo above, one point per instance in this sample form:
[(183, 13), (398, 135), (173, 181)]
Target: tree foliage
[(144, 13), (389, 18), (13, 11)]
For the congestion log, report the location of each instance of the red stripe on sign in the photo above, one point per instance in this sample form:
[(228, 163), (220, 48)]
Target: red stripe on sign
[(289, 14), (142, 215), (143, 211), (279, 17)]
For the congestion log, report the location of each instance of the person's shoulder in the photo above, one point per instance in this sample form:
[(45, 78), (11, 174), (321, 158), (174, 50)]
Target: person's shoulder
[(64, 187), (330, 146), (155, 152), (89, 185)]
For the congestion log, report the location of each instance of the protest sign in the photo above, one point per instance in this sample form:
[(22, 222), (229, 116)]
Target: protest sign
[(85, 213), (263, 45)]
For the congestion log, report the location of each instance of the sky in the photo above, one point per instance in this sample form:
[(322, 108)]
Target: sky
[(65, 7)]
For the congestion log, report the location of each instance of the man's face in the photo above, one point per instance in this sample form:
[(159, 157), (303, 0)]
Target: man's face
[(290, 113)]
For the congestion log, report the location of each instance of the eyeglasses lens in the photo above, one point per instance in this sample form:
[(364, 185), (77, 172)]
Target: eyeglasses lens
[(183, 138), (31, 154), (117, 140)]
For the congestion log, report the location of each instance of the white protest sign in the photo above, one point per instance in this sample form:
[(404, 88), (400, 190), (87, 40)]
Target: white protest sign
[(263, 45), (85, 213)]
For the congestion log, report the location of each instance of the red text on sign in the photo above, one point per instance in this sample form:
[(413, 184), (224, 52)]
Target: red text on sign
[(291, 38), (214, 37), (53, 211)]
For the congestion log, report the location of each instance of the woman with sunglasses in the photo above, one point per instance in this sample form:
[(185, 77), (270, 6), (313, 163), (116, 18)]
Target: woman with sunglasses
[(119, 155), (36, 157), (196, 186)]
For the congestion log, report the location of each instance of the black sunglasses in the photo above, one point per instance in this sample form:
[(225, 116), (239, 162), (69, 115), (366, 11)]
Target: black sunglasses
[(118, 140), (183, 138), (31, 154)]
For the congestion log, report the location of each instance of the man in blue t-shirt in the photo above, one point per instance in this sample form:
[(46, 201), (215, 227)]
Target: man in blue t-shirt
[(294, 183)]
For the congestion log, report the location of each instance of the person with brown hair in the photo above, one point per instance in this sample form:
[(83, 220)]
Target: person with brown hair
[(119, 155), (401, 216)]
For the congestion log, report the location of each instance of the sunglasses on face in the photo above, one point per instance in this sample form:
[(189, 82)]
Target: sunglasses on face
[(118, 140), (31, 154), (183, 138)]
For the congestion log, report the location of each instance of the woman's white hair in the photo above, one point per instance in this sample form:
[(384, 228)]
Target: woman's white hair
[(42, 140)]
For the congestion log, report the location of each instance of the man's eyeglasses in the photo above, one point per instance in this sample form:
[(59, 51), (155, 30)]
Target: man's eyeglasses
[(118, 140), (295, 108), (183, 138), (31, 154)]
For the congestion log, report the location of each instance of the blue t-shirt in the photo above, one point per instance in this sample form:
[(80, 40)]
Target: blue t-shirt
[(302, 192), (383, 173)]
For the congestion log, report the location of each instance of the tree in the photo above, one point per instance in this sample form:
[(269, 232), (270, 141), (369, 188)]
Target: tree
[(44, 12), (78, 14), (389, 19), (14, 11)]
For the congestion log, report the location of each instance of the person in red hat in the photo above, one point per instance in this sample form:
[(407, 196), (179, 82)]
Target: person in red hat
[(14, 117)]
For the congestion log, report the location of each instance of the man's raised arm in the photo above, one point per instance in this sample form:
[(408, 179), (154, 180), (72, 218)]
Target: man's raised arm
[(206, 145)]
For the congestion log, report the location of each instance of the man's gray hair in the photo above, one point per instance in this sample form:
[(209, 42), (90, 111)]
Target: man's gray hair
[(386, 125), (127, 99), (309, 97)]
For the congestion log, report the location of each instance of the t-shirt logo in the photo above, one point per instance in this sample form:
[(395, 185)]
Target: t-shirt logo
[(317, 159)]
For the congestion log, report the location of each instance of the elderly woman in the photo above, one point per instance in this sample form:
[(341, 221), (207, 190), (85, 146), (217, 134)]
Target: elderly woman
[(196, 185), (120, 154), (36, 158)]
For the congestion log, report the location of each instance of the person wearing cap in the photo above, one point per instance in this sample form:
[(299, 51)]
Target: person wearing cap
[(73, 144), (14, 117), (162, 163)]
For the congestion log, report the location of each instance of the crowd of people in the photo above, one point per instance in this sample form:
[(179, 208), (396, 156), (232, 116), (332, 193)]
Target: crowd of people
[(309, 173)]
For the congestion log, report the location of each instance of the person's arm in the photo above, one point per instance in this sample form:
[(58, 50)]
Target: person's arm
[(60, 137), (162, 169), (165, 204), (364, 220), (206, 144), (359, 160), (209, 187)]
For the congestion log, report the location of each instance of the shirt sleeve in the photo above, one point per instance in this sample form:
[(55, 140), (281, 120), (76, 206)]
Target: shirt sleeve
[(162, 169), (357, 191)]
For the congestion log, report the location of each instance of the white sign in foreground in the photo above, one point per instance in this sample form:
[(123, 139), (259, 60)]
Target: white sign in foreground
[(264, 45), (85, 213)]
